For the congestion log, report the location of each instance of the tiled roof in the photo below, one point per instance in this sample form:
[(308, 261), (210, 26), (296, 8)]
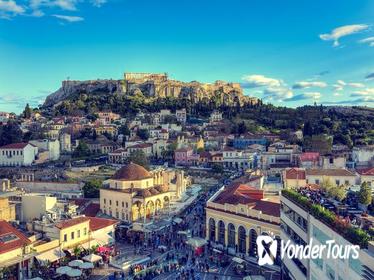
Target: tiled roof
[(366, 171), (238, 193), (99, 223), (71, 222), (329, 172), (131, 172), (15, 146), (295, 173), (91, 210), (17, 242), (310, 156), (141, 146)]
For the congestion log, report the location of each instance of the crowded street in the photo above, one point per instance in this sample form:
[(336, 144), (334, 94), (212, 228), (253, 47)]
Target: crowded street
[(167, 254)]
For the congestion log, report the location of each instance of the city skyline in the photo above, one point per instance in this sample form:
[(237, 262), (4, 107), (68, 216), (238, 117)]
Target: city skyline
[(287, 54)]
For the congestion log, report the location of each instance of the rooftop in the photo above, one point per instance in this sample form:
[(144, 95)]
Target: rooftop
[(11, 238), (71, 222), (238, 193), (329, 172), (132, 172)]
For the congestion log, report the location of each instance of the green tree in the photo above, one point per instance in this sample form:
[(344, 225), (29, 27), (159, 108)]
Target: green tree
[(337, 192), (217, 168), (10, 133), (326, 185), (139, 157), (91, 189), (143, 134), (82, 150), (364, 195), (27, 112)]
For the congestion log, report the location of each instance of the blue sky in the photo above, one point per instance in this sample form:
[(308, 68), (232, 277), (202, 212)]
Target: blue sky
[(287, 52)]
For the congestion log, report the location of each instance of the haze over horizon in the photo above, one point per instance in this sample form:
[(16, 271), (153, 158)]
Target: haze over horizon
[(290, 53)]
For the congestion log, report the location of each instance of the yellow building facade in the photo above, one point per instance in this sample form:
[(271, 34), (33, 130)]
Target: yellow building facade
[(237, 215), (134, 193)]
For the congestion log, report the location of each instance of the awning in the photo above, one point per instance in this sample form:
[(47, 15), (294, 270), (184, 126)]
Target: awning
[(92, 258), (51, 255), (237, 260), (177, 220)]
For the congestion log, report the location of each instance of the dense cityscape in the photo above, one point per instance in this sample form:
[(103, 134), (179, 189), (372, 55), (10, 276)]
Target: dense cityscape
[(186, 140), (177, 193)]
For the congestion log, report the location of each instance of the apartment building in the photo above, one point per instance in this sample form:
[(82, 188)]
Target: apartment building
[(299, 226)]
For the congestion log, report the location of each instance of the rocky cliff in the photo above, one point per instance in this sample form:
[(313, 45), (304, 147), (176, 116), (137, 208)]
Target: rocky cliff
[(153, 85)]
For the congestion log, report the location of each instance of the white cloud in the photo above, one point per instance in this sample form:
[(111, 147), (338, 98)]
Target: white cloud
[(69, 5), (356, 85), (69, 18), (369, 40), (343, 31), (98, 3), (309, 84), (278, 93), (11, 7), (364, 92), (313, 95), (340, 85), (260, 81)]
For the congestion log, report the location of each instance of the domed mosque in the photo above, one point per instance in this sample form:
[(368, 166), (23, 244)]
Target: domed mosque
[(134, 193)]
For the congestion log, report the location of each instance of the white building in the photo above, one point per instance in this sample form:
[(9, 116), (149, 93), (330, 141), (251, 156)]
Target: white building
[(363, 156), (65, 142), (18, 154), (35, 206), (181, 115), (51, 148), (215, 116), (237, 159), (299, 226)]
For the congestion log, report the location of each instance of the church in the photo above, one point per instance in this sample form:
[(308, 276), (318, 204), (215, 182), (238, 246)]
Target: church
[(136, 194)]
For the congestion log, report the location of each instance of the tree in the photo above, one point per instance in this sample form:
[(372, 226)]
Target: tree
[(337, 192), (124, 129), (91, 189), (139, 157), (143, 134), (10, 133), (217, 168), (364, 195), (326, 185), (27, 112), (82, 150)]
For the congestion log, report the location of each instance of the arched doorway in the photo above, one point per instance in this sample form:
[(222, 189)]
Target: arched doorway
[(231, 236), (166, 201), (212, 229), (242, 238), (221, 233), (158, 205), (253, 247), (149, 209)]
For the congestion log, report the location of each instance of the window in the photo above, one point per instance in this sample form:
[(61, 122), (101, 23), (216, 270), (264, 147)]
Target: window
[(337, 182), (317, 181), (104, 201), (117, 203), (330, 272), (123, 204), (72, 235), (79, 233), (110, 202), (346, 182), (85, 231), (65, 237)]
